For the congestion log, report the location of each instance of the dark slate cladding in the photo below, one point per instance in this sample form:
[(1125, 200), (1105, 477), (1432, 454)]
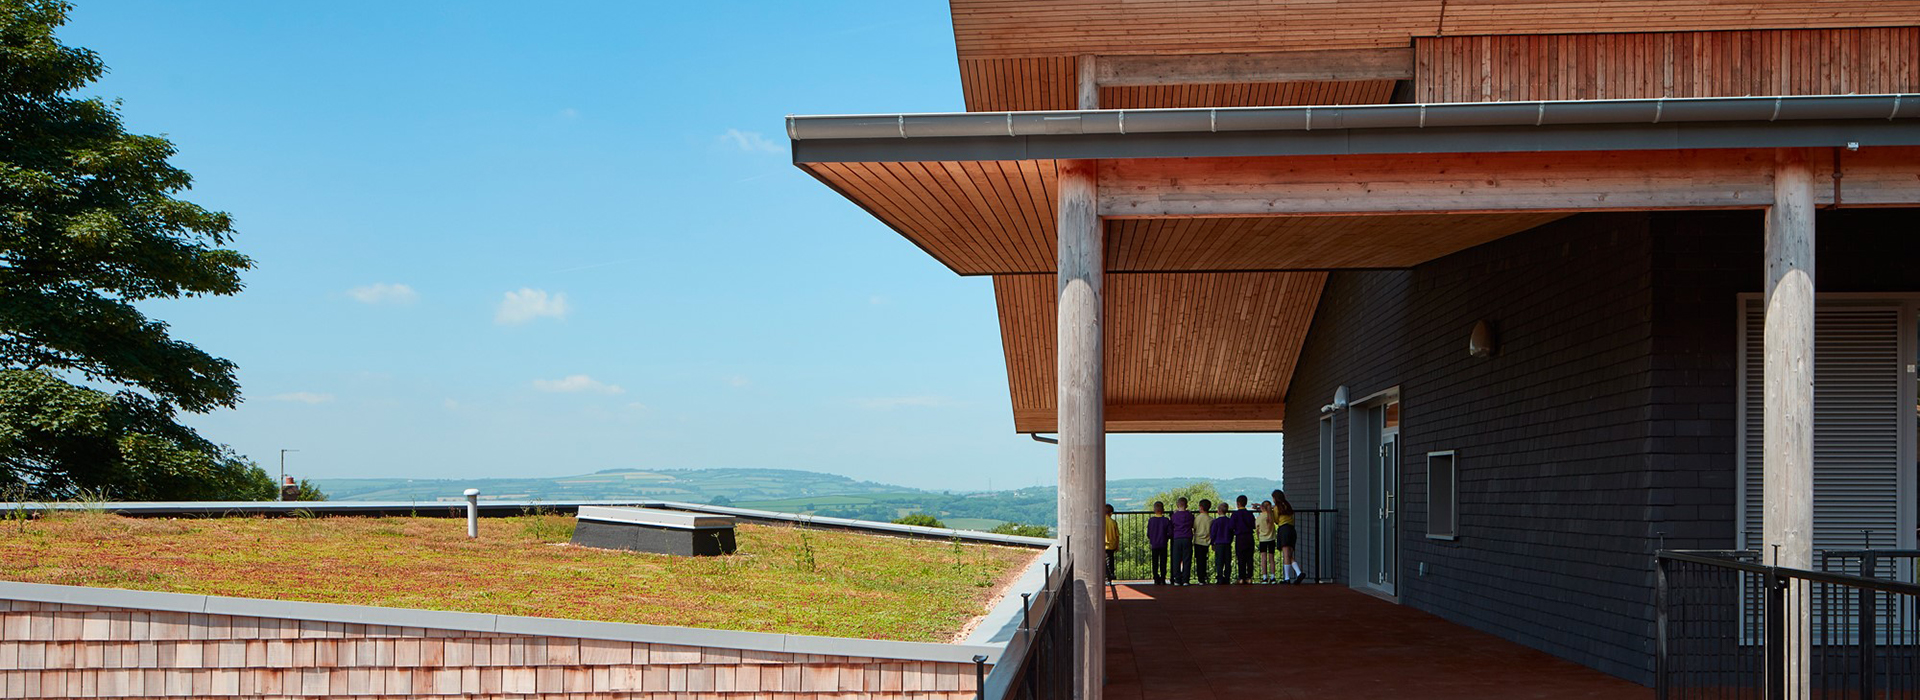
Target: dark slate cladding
[(1553, 550), (1601, 427)]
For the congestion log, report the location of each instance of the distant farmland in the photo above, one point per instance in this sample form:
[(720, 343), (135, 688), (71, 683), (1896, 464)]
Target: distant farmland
[(783, 490)]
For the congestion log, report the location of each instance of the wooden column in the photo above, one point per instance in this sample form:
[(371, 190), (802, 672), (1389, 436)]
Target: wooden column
[(1082, 403), (1788, 433)]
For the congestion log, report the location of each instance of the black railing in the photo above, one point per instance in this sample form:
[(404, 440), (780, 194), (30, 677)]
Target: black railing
[(1134, 560), (1038, 661), (1890, 564), (1728, 626)]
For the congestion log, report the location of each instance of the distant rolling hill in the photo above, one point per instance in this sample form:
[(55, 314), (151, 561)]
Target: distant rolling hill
[(784, 490)]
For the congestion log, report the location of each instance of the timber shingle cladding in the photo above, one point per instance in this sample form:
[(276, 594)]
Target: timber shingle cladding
[(52, 650)]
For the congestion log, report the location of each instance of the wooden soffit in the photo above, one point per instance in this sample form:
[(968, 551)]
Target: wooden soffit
[(1291, 213), (997, 217), (1184, 352)]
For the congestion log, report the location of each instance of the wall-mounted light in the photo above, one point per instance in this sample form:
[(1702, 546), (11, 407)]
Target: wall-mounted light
[(1339, 400), (1480, 343)]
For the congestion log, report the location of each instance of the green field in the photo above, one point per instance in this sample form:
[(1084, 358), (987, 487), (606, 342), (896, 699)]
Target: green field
[(782, 580)]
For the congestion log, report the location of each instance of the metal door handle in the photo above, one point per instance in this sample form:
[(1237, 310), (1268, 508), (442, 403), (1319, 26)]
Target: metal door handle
[(1389, 512)]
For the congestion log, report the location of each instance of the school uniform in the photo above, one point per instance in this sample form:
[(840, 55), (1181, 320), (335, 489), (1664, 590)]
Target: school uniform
[(1112, 541), (1202, 542), (1243, 542), (1180, 544), (1220, 533), (1159, 529)]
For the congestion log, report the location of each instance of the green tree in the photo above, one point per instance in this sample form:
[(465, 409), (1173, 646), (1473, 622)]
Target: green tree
[(309, 491), (90, 227), (58, 440), (1021, 530), (921, 519), (1192, 492)]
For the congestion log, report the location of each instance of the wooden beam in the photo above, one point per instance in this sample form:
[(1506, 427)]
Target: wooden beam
[(1448, 183), (1275, 67), (1170, 418)]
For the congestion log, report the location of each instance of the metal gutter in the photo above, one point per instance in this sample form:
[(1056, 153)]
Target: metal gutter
[(1665, 123), (1387, 116)]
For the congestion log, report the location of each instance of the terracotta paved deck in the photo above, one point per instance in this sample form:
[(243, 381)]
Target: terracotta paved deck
[(1321, 641)]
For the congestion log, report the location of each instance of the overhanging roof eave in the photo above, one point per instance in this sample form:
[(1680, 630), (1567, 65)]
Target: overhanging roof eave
[(1664, 124)]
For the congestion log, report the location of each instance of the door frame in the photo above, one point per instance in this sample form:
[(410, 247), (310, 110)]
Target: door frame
[(1360, 444)]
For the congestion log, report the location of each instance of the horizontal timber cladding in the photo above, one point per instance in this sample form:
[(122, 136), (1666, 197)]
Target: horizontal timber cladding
[(1677, 64), (1553, 540), (1184, 352), (1021, 55), (50, 650), (1018, 28)]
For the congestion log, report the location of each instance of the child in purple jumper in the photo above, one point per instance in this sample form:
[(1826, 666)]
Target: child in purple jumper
[(1158, 529), (1181, 535)]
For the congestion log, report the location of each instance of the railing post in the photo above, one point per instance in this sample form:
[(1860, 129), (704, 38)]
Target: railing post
[(979, 677), (1776, 640), (1660, 627), (1026, 613), (1869, 642)]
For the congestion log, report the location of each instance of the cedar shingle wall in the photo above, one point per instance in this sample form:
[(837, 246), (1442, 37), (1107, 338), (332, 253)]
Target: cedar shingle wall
[(60, 651)]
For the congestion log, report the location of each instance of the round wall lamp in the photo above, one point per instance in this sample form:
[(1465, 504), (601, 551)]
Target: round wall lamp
[(1480, 342)]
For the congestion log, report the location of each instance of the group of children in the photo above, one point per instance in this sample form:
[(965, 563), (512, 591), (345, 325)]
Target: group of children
[(1230, 536)]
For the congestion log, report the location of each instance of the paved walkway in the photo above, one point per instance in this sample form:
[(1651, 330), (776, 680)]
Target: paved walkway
[(1319, 641)]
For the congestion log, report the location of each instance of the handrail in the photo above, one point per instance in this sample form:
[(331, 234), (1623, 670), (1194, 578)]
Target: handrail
[(999, 682), (1809, 575)]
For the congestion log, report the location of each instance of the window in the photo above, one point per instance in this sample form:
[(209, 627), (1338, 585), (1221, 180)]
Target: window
[(1443, 496)]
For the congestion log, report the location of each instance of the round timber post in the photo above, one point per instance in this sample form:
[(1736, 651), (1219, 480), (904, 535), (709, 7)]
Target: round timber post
[(1788, 398)]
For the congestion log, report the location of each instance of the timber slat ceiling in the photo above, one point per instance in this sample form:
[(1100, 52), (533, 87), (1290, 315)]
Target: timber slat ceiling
[(1183, 351), (987, 218), (1684, 64)]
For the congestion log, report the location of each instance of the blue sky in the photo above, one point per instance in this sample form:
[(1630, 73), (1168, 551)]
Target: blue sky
[(501, 239)]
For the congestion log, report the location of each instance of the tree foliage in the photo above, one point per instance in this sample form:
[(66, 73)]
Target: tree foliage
[(921, 519), (90, 226), (58, 440), (1022, 530), (1192, 492)]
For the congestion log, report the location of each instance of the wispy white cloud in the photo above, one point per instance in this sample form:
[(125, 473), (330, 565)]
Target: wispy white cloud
[(737, 381), (306, 397), (888, 403), (751, 142), (577, 384), (528, 304), (569, 113), (450, 404), (877, 300), (383, 293)]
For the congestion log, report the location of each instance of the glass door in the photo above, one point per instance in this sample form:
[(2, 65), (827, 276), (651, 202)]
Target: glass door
[(1384, 533)]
